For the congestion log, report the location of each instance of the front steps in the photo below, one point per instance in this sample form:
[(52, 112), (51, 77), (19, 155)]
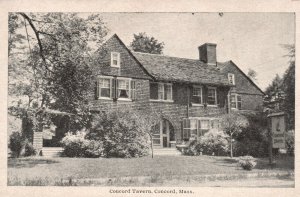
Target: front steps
[(166, 151), (51, 151)]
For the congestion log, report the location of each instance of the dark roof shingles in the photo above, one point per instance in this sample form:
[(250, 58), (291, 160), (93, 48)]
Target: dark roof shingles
[(167, 68)]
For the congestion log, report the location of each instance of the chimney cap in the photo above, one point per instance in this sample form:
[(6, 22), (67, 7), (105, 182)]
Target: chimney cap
[(207, 43)]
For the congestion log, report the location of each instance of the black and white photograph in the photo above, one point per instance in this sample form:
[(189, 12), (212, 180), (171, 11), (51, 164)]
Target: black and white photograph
[(139, 101)]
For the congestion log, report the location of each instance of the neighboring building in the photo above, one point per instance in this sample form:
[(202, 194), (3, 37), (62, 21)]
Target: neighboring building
[(189, 93)]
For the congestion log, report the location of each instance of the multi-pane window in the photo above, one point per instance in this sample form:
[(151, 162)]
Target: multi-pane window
[(186, 129), (231, 78), (197, 95), (115, 88), (105, 88), (161, 91), (123, 88), (115, 59), (212, 96), (236, 101)]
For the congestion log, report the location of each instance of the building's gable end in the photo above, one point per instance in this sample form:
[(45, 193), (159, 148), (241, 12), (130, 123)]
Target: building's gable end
[(243, 83), (129, 66)]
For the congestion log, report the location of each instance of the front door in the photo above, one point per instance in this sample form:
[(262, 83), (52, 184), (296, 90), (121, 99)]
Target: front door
[(161, 134)]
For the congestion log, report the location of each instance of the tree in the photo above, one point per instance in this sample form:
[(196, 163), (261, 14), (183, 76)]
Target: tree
[(146, 44), (252, 74), (232, 125), (59, 48), (288, 86)]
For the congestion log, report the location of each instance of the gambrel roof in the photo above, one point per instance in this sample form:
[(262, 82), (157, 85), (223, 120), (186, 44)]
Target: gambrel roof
[(174, 69)]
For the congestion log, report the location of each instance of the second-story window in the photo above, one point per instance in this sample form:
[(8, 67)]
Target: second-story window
[(212, 96), (197, 95), (105, 88), (123, 88), (115, 59), (116, 88), (161, 91)]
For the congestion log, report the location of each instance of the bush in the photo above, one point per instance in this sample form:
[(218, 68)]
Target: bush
[(247, 162), (290, 142), (16, 143), (29, 149), (75, 145), (212, 143), (120, 134), (253, 140)]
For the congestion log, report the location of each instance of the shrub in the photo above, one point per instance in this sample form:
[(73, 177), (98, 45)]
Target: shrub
[(247, 162), (75, 145), (119, 131), (212, 143), (290, 142), (253, 140), (16, 143), (29, 149)]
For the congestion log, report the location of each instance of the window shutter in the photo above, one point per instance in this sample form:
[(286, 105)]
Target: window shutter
[(133, 90), (204, 93), (154, 91), (113, 88), (97, 90)]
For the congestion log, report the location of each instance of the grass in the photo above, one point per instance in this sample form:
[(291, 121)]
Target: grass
[(141, 171)]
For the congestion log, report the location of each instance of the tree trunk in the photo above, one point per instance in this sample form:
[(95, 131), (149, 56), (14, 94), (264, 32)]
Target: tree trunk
[(231, 151), (151, 145)]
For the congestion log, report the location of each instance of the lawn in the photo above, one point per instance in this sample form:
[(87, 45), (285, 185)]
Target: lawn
[(26, 171)]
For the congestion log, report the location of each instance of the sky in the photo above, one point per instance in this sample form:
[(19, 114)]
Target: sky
[(251, 40)]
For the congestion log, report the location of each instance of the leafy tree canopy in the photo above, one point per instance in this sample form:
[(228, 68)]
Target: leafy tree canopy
[(146, 44)]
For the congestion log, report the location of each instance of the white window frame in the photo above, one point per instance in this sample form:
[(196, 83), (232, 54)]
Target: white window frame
[(216, 98), (233, 78), (110, 88), (112, 59), (161, 87), (235, 101), (201, 92), (129, 92)]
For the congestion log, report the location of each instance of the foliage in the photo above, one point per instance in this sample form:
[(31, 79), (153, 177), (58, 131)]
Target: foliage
[(119, 131), (57, 59), (146, 44), (75, 145), (253, 139), (252, 74), (29, 149), (232, 125), (247, 162), (212, 143), (290, 142), (16, 143), (282, 90)]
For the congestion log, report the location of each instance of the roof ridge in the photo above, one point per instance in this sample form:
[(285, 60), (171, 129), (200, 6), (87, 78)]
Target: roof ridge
[(162, 55)]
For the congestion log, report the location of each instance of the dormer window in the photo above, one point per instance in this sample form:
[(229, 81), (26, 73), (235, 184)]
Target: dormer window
[(115, 59), (231, 78)]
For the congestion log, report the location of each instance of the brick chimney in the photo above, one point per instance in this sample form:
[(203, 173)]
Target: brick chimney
[(208, 53)]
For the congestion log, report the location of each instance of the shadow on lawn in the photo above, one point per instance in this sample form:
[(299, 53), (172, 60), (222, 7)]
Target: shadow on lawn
[(27, 162)]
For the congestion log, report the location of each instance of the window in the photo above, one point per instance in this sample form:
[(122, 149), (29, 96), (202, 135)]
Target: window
[(123, 88), (115, 59), (105, 87), (113, 88), (236, 101), (212, 96), (197, 95), (203, 127), (231, 78), (186, 129), (161, 91)]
